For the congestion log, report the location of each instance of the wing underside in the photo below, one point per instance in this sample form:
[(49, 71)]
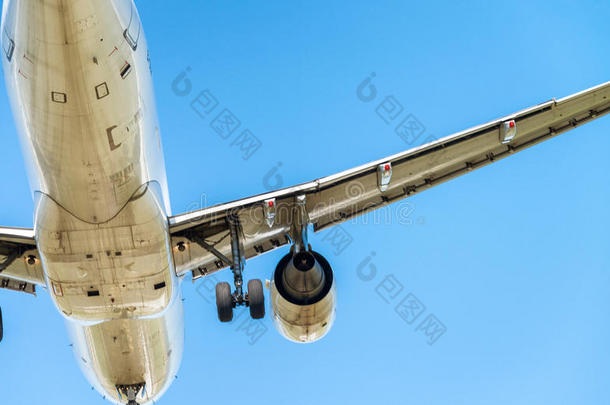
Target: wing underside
[(20, 268), (202, 239)]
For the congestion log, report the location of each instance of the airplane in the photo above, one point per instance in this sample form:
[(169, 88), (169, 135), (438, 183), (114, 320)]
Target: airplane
[(105, 245)]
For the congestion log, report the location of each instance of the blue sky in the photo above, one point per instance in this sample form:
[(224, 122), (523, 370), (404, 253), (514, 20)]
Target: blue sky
[(513, 259)]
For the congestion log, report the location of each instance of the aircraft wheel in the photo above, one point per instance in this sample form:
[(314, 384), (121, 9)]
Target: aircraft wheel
[(224, 302), (256, 299)]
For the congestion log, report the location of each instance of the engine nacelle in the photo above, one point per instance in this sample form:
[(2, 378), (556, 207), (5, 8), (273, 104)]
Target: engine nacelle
[(303, 297)]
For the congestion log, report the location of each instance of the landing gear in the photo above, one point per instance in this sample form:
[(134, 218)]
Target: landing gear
[(130, 392), (225, 300), (256, 299)]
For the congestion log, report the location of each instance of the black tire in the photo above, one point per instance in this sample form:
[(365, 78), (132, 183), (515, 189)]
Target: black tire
[(1, 326), (256, 299), (224, 302)]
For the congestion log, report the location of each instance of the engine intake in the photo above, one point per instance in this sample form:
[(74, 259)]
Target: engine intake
[(303, 296)]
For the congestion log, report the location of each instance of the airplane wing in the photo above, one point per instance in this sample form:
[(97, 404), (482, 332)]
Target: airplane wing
[(20, 268), (202, 239)]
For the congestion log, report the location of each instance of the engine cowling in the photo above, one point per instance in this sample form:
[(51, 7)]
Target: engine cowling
[(303, 297)]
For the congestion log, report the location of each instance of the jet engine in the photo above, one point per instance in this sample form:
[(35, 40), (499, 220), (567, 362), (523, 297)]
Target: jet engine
[(303, 296)]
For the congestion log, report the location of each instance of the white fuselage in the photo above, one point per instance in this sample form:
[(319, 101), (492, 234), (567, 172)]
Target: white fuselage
[(79, 81)]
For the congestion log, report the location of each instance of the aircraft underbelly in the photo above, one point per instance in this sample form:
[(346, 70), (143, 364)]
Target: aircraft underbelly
[(115, 270), (81, 91), (84, 98), (130, 352), (80, 85)]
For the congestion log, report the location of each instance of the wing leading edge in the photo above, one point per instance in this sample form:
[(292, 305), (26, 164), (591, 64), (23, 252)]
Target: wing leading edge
[(202, 241)]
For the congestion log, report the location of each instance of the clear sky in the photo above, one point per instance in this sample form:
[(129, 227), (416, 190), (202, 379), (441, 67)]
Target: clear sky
[(512, 259)]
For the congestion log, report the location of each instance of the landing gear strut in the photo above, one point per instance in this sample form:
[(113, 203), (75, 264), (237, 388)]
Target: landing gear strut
[(130, 392), (225, 300)]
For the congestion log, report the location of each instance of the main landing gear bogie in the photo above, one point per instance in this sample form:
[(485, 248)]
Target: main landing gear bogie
[(226, 301)]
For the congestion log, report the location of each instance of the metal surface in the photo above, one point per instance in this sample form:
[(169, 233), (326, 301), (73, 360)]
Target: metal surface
[(302, 278), (79, 82), (257, 237), (300, 222), (16, 285), (237, 266), (337, 198), (269, 207), (384, 175), (303, 304), (20, 267), (131, 392), (508, 131)]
